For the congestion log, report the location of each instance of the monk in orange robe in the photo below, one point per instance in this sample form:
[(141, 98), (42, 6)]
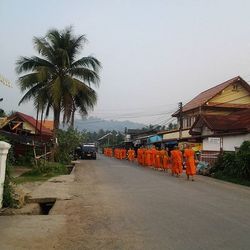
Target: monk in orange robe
[(131, 154), (139, 156), (189, 156), (158, 160), (148, 156), (153, 151), (166, 161), (143, 158), (176, 158), (162, 155), (124, 153), (120, 154)]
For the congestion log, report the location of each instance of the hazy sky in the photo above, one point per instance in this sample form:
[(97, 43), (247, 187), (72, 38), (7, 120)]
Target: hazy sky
[(154, 53)]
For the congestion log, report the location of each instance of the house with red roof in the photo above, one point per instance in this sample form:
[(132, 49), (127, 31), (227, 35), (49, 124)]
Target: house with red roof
[(25, 131), (217, 104), (22, 124)]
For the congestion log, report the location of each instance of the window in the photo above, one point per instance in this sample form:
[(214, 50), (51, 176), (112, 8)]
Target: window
[(235, 87)]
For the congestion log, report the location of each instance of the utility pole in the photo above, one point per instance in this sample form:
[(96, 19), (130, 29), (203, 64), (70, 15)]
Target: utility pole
[(180, 120)]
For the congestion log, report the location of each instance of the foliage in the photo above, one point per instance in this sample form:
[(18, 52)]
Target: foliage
[(234, 165), (56, 80), (42, 172), (8, 193), (26, 160), (172, 126), (2, 113), (67, 142)]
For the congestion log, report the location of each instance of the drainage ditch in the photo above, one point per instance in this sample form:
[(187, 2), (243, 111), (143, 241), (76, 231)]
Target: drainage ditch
[(33, 207), (45, 207)]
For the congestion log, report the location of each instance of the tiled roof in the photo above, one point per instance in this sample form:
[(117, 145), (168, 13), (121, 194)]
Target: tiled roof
[(31, 121), (237, 121), (48, 124), (205, 96)]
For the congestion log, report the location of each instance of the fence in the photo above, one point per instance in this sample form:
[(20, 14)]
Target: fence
[(209, 157)]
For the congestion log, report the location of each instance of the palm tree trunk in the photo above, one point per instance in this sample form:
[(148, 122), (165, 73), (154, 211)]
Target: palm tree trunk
[(55, 130), (41, 125), (73, 118)]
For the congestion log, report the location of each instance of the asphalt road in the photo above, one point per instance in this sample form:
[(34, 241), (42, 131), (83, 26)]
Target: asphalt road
[(119, 205)]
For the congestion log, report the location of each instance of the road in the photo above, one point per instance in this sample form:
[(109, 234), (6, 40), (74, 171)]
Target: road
[(118, 205)]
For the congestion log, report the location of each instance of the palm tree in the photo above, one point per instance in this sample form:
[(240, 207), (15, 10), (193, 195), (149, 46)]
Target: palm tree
[(56, 77)]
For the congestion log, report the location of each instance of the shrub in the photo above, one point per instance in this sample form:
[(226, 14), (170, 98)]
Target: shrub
[(68, 141), (26, 160), (47, 168), (235, 165)]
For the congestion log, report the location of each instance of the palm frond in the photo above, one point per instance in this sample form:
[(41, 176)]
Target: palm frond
[(89, 62), (25, 64), (56, 91), (85, 74), (44, 48), (31, 92)]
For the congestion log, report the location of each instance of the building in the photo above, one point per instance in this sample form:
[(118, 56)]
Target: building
[(22, 124), (222, 132), (222, 100), (25, 132)]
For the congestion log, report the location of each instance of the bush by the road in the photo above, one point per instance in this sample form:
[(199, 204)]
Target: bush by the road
[(67, 142), (234, 165)]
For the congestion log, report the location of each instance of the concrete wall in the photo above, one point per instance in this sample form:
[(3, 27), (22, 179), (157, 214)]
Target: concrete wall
[(210, 145), (228, 142)]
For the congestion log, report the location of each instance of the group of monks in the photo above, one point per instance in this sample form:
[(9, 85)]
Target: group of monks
[(120, 153), (108, 152), (160, 159)]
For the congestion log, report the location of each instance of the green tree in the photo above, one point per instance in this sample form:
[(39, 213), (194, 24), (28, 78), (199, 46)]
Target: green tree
[(57, 78)]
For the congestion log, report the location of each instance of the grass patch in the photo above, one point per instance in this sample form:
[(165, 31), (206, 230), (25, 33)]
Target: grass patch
[(235, 180), (22, 179), (43, 172)]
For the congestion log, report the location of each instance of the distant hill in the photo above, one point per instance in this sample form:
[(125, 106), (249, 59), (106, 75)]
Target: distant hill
[(95, 124)]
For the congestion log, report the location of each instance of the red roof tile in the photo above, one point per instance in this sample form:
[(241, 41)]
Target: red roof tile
[(32, 122)]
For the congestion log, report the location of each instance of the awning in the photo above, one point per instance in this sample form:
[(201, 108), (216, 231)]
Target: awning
[(171, 143), (154, 139)]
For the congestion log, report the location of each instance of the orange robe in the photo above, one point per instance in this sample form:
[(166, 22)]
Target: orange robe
[(131, 154), (120, 154), (143, 157), (162, 155), (139, 155), (166, 162), (148, 157), (190, 162), (124, 153), (154, 151), (158, 159), (176, 157)]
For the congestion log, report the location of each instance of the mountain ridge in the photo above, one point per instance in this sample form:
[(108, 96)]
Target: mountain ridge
[(94, 124)]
